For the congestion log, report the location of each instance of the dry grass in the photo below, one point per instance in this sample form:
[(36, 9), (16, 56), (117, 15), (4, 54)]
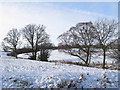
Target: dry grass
[(95, 65)]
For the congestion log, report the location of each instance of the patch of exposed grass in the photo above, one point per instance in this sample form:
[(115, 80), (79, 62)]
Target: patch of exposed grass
[(94, 65)]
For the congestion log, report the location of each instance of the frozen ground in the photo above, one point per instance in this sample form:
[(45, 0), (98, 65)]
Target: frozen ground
[(20, 73), (61, 56)]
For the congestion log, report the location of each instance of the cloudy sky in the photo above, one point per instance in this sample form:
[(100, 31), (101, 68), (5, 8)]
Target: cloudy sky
[(58, 17)]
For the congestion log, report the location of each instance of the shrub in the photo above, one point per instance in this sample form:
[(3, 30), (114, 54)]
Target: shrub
[(43, 55)]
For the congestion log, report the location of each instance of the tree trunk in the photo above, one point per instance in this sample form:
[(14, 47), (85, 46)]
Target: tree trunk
[(36, 49), (15, 52), (104, 57), (87, 59), (35, 55), (33, 52)]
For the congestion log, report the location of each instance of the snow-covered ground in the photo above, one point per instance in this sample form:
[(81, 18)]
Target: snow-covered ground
[(23, 73), (61, 56)]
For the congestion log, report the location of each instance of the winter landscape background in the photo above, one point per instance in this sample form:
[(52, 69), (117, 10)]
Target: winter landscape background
[(23, 73), (59, 45)]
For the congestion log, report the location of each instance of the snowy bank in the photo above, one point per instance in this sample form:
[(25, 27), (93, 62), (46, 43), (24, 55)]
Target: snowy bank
[(20, 73)]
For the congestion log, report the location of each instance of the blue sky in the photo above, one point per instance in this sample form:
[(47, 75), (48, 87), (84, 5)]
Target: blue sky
[(107, 8), (58, 17)]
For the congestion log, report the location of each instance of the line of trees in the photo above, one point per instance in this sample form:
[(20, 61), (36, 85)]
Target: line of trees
[(87, 37), (80, 40), (35, 36)]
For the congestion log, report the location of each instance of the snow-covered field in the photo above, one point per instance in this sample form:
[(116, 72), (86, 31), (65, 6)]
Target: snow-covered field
[(61, 56), (23, 73)]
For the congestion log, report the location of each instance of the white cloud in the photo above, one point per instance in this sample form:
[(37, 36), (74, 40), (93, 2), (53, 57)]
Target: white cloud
[(57, 21)]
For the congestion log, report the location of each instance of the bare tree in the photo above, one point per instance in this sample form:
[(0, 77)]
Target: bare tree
[(35, 35), (106, 33), (4, 47), (12, 40), (79, 41), (114, 51)]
